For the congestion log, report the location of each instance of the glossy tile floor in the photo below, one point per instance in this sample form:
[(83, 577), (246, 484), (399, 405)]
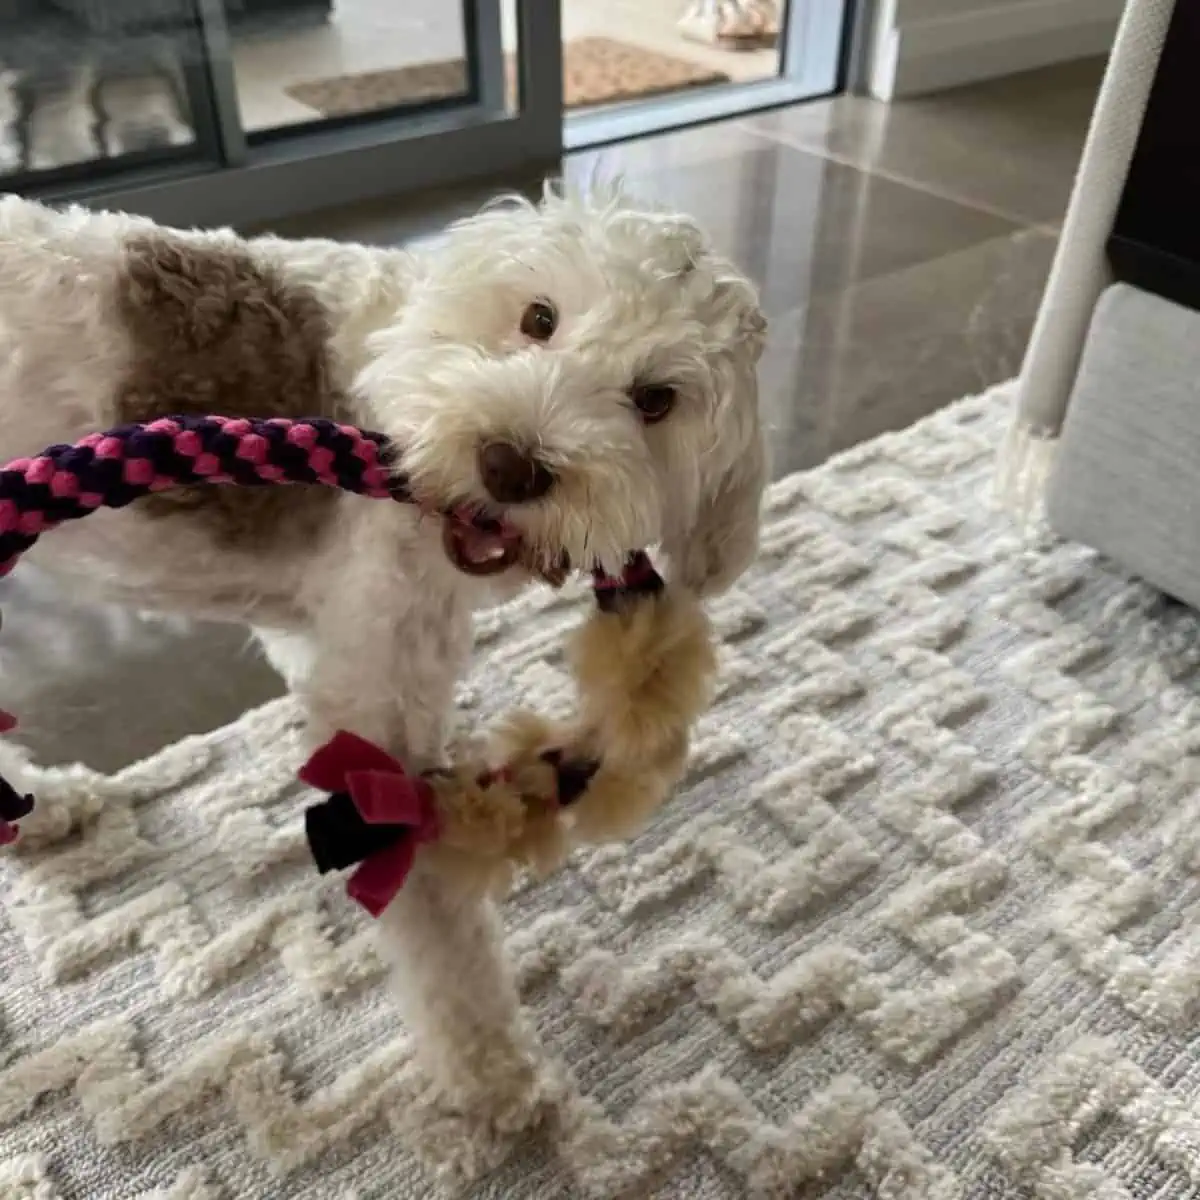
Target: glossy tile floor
[(901, 253)]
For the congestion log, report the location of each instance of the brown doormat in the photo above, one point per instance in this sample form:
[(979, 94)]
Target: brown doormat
[(595, 71)]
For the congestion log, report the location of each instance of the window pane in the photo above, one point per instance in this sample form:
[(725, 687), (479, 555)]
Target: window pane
[(616, 51), (305, 63), (84, 82)]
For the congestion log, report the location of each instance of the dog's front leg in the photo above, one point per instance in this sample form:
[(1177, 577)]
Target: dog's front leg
[(387, 654)]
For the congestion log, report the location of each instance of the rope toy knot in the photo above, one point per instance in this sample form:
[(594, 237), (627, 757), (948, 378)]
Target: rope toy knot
[(639, 578), (377, 815)]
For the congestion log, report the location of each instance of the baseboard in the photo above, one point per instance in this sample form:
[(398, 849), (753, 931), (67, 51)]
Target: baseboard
[(924, 52)]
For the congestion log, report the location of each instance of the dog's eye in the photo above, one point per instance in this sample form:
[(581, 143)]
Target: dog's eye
[(539, 321), (653, 400)]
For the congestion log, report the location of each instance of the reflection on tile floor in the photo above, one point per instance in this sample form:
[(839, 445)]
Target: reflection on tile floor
[(1009, 147), (108, 687), (901, 253), (892, 348), (801, 225)]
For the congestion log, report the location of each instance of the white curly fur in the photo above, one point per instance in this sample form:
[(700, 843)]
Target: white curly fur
[(372, 626)]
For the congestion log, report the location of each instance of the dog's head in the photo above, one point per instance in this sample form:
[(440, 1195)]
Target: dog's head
[(583, 374)]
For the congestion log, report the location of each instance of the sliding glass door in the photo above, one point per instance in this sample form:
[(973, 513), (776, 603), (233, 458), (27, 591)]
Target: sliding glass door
[(633, 67), (250, 111), (85, 91), (246, 111)]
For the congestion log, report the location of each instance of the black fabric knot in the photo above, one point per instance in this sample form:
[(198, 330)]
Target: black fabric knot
[(339, 837), (574, 775), (638, 579), (13, 805)]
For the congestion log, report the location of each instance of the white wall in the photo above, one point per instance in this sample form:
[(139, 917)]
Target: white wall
[(926, 45)]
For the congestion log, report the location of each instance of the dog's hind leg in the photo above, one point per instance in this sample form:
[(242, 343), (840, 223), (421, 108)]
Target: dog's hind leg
[(289, 652)]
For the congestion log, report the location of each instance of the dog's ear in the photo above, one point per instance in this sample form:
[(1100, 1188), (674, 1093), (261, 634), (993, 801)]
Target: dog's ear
[(723, 542), (710, 554)]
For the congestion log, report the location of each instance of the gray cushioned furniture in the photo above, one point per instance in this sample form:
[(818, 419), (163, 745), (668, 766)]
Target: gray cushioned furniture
[(1126, 478), (1126, 474)]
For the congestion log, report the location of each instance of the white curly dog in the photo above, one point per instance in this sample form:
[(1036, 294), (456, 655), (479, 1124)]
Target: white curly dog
[(581, 369)]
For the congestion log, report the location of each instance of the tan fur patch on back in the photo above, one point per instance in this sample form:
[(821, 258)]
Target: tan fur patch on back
[(213, 331)]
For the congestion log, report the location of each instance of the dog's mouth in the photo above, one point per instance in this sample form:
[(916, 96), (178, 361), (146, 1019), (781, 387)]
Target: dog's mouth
[(481, 545)]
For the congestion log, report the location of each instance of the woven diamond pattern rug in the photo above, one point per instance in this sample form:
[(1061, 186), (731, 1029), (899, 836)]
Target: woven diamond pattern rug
[(923, 922)]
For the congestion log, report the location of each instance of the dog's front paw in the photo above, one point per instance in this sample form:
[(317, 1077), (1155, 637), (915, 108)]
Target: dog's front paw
[(464, 1129)]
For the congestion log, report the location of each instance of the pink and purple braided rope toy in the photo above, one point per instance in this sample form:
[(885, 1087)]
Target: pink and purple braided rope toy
[(114, 468)]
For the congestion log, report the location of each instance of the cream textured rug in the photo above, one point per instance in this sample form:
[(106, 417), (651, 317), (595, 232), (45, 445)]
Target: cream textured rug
[(925, 921)]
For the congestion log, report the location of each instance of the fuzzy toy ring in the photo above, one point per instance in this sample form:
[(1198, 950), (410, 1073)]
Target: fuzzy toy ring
[(643, 664)]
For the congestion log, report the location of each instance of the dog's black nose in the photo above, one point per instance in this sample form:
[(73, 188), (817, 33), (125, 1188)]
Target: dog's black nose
[(511, 476)]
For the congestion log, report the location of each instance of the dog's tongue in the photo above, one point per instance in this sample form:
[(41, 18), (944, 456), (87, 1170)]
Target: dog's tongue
[(482, 546), (482, 541)]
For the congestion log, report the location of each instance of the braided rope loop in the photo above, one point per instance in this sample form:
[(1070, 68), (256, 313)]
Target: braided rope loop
[(114, 468)]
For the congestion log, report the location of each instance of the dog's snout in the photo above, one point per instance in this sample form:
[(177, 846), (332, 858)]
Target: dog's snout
[(511, 476)]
